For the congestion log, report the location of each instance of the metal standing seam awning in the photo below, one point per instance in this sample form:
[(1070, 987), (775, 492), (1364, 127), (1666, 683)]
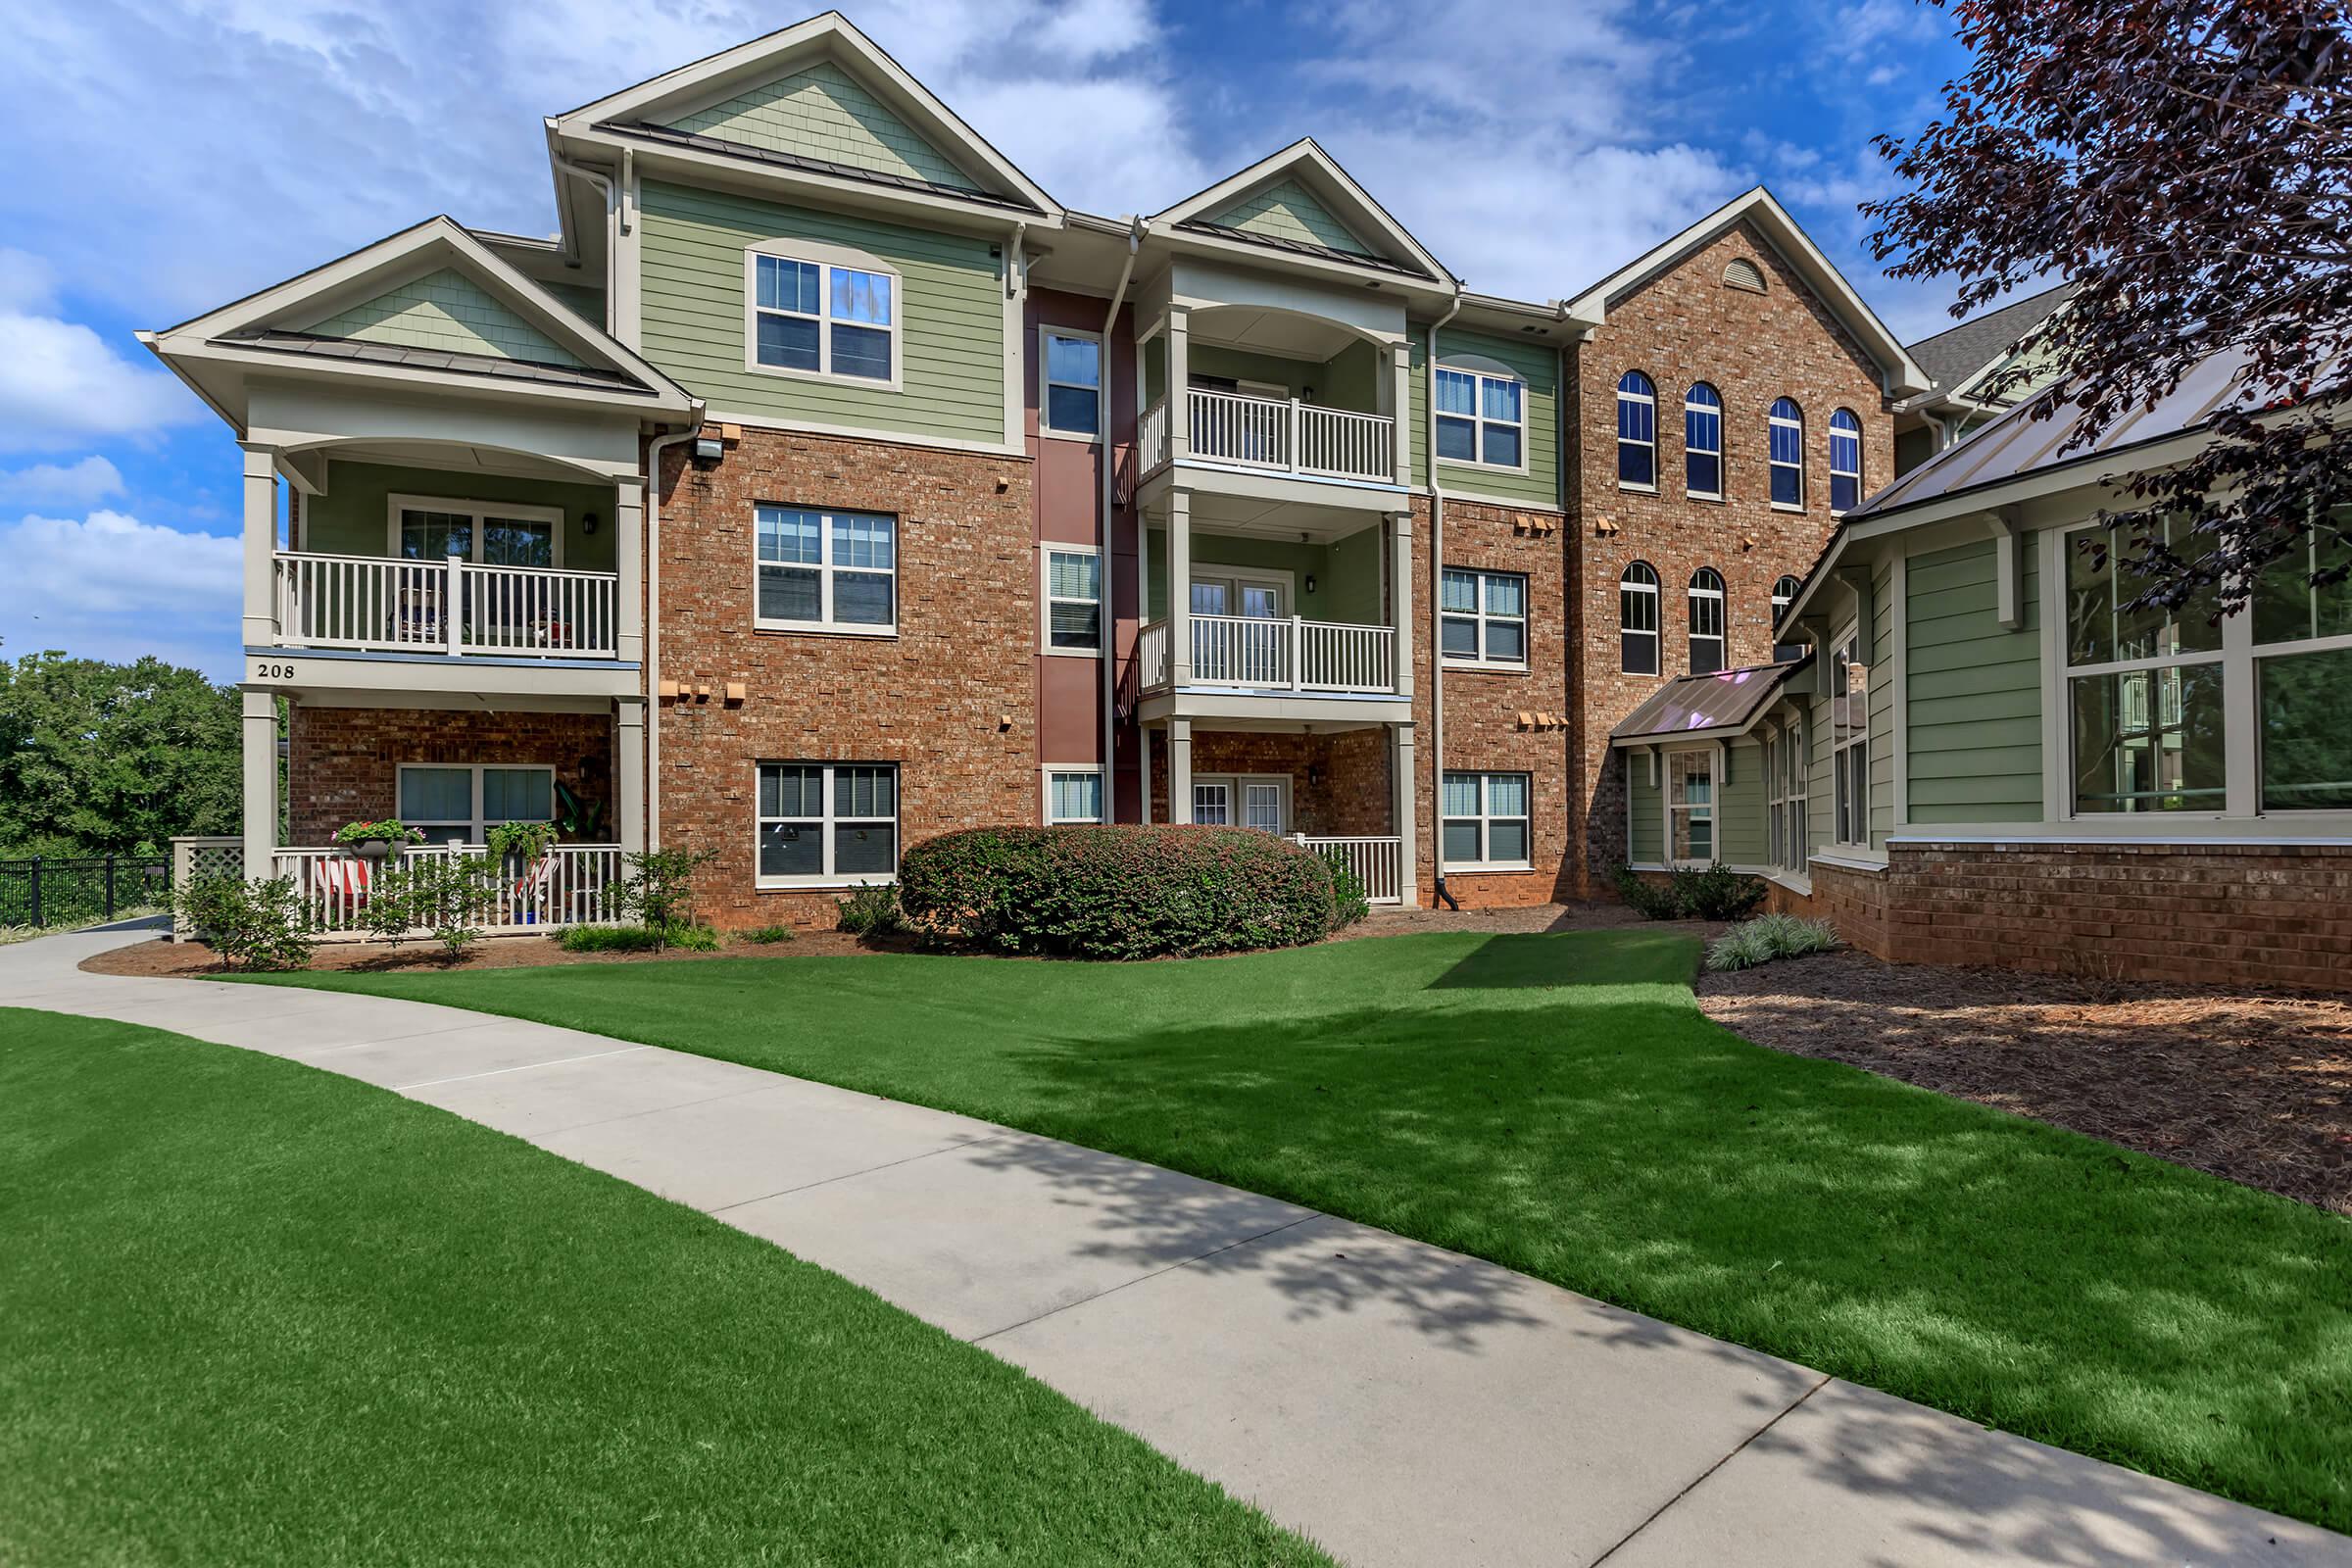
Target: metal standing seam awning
[(1717, 706)]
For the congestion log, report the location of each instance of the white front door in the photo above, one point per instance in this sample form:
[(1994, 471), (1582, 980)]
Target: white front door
[(1262, 806)]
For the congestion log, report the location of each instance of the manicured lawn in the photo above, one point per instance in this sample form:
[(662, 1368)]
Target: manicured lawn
[(1557, 1103), (255, 1313)]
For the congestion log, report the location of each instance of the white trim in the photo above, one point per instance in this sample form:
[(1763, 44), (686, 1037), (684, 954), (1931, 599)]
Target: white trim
[(1836, 474), (1046, 774), (826, 568), (1283, 581), (479, 826), (1479, 615), (1899, 660), (1485, 818), (2257, 835), (849, 432), (1848, 858), (1473, 367), (1047, 549), (1713, 754), (1853, 736), (1692, 597), (1236, 786), (1045, 385), (1722, 466), (1656, 589), (1326, 179), (827, 819), (477, 511), (1773, 465), (828, 260), (1620, 397)]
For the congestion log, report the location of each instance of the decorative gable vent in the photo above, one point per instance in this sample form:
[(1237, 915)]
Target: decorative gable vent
[(1743, 274)]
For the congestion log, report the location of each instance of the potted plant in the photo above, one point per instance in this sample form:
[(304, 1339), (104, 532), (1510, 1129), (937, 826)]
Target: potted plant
[(373, 840), (518, 846)]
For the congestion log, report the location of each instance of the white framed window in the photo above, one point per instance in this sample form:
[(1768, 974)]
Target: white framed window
[(1069, 398), (1261, 800), (1845, 461), (1487, 822), (1483, 618), (827, 823), (809, 310), (1073, 794), (1784, 594), (1786, 430), (1690, 807), (1786, 786), (459, 803), (1636, 432), (2301, 643), (826, 570), (1702, 443), (2145, 689), (1849, 744), (485, 533), (1073, 598), (1482, 418), (1638, 619), (1705, 599)]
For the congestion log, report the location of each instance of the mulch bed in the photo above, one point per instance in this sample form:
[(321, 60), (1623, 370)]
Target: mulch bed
[(2253, 1087)]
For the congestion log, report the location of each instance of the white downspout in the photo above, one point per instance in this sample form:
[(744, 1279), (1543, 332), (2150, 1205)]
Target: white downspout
[(1110, 624), (1437, 614), (612, 218), (653, 621)]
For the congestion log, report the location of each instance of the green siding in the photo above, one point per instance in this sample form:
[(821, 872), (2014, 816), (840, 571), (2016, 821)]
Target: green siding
[(1285, 211), (1973, 692), (353, 516), (1344, 381), (949, 308), (448, 310), (1346, 573), (1540, 367), (1881, 704), (1741, 838), (1645, 809), (822, 112), (582, 301), (1821, 806)]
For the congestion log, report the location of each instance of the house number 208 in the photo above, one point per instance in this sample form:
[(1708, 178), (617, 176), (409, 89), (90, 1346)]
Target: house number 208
[(275, 672)]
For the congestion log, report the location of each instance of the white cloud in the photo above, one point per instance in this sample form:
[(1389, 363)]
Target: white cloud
[(27, 282), (61, 383), (110, 586), (81, 485)]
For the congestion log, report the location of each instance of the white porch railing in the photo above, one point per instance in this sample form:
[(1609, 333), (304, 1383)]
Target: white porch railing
[(1378, 862), (1279, 433), (1294, 655), (573, 884), (387, 605)]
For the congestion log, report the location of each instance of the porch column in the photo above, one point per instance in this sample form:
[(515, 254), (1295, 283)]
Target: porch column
[(1400, 575), (1180, 770), (1180, 406), (1407, 817), (628, 556), (628, 775), (1180, 590), (1143, 736), (1400, 399), (261, 547), (261, 785)]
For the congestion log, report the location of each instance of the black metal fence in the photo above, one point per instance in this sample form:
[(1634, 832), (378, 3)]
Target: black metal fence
[(57, 891)]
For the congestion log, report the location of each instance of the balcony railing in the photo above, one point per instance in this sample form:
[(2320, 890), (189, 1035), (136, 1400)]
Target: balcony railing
[(1281, 434), (1378, 862), (572, 884), (1281, 655), (379, 604)]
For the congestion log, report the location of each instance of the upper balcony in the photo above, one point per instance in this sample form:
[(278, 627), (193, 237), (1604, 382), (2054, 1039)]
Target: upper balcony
[(1283, 435), (450, 607)]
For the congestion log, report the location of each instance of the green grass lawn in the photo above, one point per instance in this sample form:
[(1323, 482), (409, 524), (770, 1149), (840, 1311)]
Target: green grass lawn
[(251, 1312), (1560, 1105)]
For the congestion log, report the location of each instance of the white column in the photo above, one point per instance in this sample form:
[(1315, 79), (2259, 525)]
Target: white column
[(628, 775), (1401, 780), (1143, 737), (1401, 398), (628, 557), (1180, 770), (1180, 405), (1401, 573), (261, 547), (261, 785), (1179, 592)]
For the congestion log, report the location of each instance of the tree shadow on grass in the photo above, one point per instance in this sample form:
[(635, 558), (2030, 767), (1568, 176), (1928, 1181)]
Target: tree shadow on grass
[(1520, 961)]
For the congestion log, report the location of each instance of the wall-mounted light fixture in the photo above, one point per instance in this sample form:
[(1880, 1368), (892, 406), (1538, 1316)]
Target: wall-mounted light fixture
[(1311, 582), (708, 448), (587, 522)]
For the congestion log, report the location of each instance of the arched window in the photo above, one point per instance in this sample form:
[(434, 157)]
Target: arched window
[(1784, 594), (1706, 622), (1788, 430), (1638, 619), (1702, 442), (1637, 431), (1845, 460)]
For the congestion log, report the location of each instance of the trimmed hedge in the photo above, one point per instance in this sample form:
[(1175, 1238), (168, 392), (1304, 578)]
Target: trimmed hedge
[(1118, 892)]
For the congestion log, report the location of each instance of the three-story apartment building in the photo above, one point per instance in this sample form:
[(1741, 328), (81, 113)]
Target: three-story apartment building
[(825, 484)]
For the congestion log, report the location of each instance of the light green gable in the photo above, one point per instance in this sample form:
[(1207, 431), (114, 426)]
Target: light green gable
[(1972, 694), (950, 311), (1645, 813), (1285, 211), (582, 301), (446, 309), (1539, 366), (1881, 705), (823, 113), (1739, 831)]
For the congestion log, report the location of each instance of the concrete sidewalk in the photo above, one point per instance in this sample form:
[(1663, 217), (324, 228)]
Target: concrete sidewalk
[(1396, 1402)]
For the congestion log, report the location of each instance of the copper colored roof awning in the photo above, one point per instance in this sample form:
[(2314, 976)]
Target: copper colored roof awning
[(1708, 707)]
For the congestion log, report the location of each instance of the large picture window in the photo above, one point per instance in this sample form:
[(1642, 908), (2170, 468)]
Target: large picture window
[(1482, 418), (1702, 443), (485, 533), (1849, 744), (809, 316), (1706, 622), (1690, 807), (827, 570), (2306, 742), (460, 802), (1637, 431), (1485, 617), (1638, 619), (2144, 687), (1785, 430), (824, 823), (1486, 822)]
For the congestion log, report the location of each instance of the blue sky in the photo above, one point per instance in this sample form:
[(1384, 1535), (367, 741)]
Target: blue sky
[(167, 158)]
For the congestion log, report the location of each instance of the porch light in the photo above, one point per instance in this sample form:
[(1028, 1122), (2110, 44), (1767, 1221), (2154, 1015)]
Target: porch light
[(707, 449), (587, 522), (1311, 582)]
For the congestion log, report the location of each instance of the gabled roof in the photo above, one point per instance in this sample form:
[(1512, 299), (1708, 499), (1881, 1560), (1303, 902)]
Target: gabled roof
[(1759, 209), (1959, 355), (1716, 706), (1225, 211), (942, 154)]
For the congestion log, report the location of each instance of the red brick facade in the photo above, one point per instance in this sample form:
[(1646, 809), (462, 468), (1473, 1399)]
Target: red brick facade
[(342, 763), (1340, 784)]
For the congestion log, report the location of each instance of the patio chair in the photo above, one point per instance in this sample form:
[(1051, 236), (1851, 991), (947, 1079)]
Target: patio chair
[(416, 615), (527, 898), (340, 886)]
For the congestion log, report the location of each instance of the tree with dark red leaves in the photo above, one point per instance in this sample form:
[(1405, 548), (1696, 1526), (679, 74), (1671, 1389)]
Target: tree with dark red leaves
[(2188, 166)]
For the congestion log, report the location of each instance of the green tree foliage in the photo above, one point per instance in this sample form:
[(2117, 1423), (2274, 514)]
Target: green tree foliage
[(100, 758)]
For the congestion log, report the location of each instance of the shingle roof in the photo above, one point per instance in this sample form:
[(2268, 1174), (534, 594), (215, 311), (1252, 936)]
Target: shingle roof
[(279, 340), (1689, 703), (649, 131), (1299, 247), (1951, 356)]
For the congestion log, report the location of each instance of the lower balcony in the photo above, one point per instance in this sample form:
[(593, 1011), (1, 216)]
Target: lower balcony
[(450, 607), (572, 884)]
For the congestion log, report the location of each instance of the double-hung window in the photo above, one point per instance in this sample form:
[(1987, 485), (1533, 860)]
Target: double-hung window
[(1784, 594), (1702, 443), (814, 317), (1690, 807), (1482, 418), (1785, 789), (1483, 618), (2145, 686), (1074, 795), (460, 802), (1706, 622), (2302, 639), (1072, 400), (1637, 431), (1786, 429), (1849, 743), (1073, 600), (1638, 619), (827, 823), (1845, 461), (1486, 821), (827, 570)]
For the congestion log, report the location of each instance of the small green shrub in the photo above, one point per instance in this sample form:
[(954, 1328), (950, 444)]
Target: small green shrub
[(691, 938), (1717, 892), (252, 926), (768, 935), (657, 886), (1652, 900), (452, 897), (1118, 892), (872, 910), (1768, 937), (637, 938), (1349, 901)]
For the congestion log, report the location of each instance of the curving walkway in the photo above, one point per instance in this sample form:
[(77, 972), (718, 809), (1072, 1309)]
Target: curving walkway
[(1398, 1403)]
